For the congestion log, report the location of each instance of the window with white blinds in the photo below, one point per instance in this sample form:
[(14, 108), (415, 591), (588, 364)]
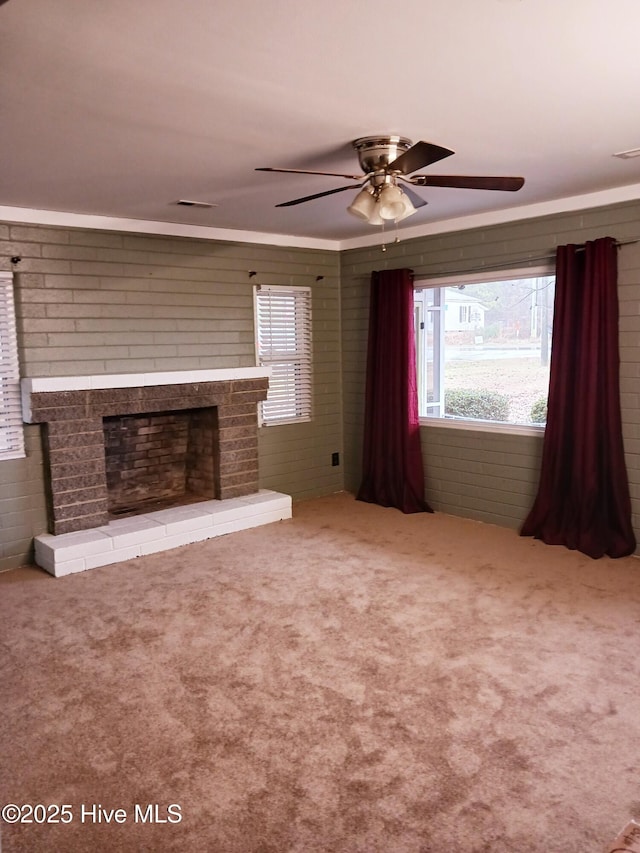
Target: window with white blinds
[(283, 332), (11, 429)]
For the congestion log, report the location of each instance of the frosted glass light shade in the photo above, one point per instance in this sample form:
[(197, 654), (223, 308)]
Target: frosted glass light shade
[(409, 209), (391, 202), (363, 205), (375, 218)]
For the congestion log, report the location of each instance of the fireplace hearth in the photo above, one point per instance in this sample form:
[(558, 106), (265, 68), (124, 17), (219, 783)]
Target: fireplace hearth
[(129, 444)]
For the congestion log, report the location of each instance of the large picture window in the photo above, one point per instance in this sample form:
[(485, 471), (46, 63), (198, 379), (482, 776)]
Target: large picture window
[(483, 347), (283, 331), (11, 429)]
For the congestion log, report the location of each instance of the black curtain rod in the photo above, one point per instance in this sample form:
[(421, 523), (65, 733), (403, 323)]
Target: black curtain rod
[(513, 263), (618, 243), (552, 255)]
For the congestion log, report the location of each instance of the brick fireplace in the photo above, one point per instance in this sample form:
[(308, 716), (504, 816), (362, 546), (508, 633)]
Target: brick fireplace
[(118, 446)]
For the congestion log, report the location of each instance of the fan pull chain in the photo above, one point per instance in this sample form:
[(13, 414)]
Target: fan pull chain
[(397, 239)]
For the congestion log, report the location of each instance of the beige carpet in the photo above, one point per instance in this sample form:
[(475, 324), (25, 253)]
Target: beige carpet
[(350, 680)]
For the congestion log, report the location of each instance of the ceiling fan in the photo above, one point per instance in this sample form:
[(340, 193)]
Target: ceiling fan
[(388, 164)]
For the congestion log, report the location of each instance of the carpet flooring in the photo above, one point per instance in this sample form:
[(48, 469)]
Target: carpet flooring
[(352, 680)]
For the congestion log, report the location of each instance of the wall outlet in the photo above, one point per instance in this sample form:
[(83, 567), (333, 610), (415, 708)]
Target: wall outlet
[(335, 459)]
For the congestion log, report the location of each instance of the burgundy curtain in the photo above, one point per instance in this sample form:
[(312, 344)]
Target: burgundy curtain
[(392, 472), (583, 495)]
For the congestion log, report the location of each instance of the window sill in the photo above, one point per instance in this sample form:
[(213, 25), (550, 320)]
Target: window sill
[(6, 455), (483, 426), (283, 422)]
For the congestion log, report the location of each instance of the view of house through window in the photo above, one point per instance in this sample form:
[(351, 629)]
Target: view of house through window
[(484, 346)]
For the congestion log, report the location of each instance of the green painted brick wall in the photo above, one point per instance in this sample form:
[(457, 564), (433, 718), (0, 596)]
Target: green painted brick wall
[(91, 302), (22, 502)]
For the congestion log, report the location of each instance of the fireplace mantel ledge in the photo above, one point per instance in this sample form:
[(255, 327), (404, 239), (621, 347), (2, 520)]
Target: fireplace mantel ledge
[(43, 384)]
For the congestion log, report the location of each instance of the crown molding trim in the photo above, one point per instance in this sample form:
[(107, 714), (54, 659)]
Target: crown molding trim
[(63, 219)]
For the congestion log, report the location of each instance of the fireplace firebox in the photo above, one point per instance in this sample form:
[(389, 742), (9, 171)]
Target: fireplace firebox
[(160, 459)]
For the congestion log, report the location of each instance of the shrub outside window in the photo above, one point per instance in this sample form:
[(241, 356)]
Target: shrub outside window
[(483, 347)]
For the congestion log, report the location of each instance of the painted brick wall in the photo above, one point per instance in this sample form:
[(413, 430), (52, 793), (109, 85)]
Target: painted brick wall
[(492, 477), (22, 502), (93, 301), (482, 475)]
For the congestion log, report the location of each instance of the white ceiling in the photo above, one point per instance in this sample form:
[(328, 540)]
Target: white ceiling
[(122, 107)]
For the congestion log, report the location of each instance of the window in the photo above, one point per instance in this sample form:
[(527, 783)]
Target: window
[(483, 347), (11, 430), (283, 331)]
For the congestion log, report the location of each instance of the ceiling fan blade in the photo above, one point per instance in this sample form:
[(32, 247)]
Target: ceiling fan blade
[(308, 172), (468, 182), (415, 199), (318, 195), (418, 156)]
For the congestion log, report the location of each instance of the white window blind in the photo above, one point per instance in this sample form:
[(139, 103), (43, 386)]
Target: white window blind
[(11, 429), (283, 332)]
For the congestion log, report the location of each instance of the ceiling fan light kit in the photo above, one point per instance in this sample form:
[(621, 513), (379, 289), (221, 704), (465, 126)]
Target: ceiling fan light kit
[(384, 161), (377, 206)]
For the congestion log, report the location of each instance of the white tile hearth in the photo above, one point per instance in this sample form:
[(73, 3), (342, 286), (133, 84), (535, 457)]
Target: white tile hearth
[(135, 536)]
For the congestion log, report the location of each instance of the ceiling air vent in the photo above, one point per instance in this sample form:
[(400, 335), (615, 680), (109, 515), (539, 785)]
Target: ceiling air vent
[(185, 202)]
